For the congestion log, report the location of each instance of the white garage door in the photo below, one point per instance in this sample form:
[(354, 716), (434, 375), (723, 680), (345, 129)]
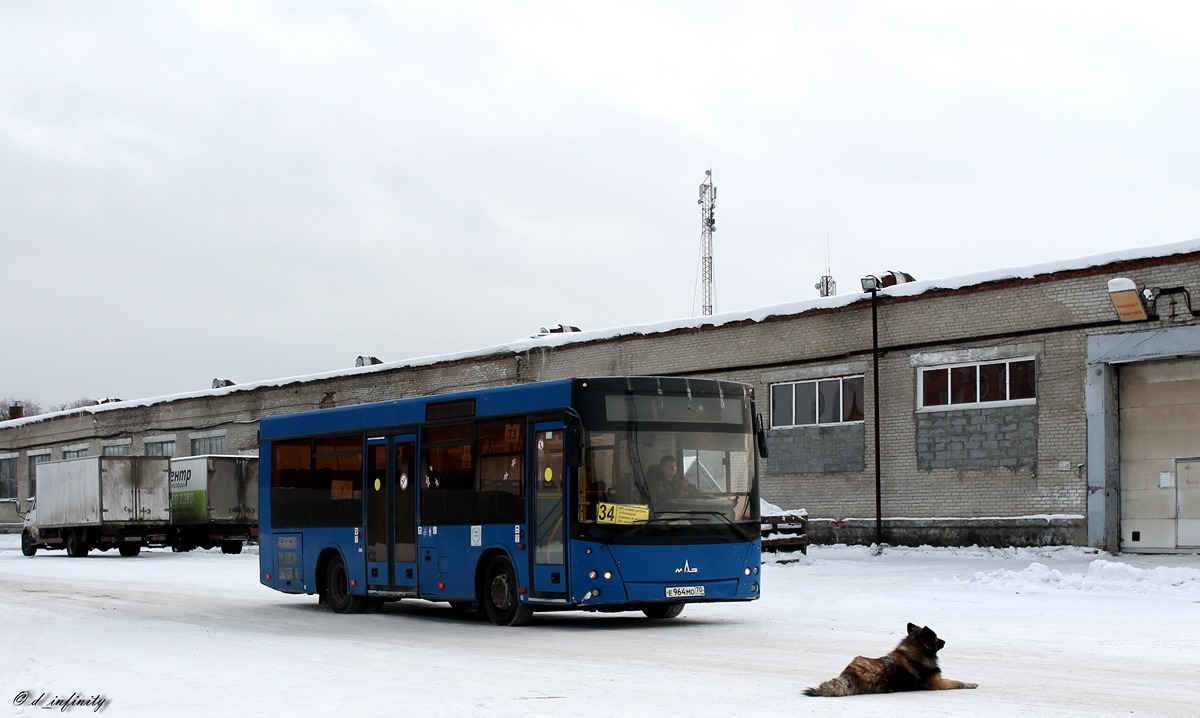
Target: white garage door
[(1160, 454)]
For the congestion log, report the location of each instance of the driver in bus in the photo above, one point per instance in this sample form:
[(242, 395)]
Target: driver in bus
[(666, 482)]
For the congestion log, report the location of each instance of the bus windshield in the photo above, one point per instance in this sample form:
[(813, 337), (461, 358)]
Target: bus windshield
[(668, 469)]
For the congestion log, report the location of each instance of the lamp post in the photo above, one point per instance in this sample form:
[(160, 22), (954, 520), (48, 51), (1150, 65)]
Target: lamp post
[(870, 283)]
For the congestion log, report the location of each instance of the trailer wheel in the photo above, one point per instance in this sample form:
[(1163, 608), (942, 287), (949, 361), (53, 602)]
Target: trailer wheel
[(75, 547), (231, 547), (28, 547), (130, 549), (337, 589), (500, 598), (663, 610)]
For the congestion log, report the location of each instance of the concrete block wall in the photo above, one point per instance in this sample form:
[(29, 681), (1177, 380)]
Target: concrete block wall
[(978, 438), (838, 449)]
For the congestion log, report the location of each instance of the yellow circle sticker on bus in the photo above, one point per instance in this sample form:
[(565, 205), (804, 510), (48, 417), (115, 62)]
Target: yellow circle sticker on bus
[(549, 474)]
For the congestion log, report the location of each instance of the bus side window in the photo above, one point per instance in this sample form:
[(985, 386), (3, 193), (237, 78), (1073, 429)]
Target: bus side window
[(448, 475)]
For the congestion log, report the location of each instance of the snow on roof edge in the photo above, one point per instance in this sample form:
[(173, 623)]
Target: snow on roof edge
[(908, 289)]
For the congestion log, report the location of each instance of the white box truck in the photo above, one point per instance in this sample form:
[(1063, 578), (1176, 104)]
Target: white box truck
[(99, 502), (214, 502)]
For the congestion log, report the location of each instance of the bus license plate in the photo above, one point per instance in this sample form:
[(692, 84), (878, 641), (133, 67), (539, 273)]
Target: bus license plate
[(684, 591)]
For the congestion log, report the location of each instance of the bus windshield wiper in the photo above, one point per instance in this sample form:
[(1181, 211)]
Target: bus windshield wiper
[(658, 520)]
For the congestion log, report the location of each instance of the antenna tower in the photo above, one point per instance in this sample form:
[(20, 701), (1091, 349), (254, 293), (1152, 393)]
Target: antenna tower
[(827, 287), (707, 202)]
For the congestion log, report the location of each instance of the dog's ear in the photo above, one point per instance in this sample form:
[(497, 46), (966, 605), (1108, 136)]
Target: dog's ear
[(929, 638), (913, 629)]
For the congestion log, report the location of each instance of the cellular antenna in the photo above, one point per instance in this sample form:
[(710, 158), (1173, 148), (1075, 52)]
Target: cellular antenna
[(707, 202), (827, 287)]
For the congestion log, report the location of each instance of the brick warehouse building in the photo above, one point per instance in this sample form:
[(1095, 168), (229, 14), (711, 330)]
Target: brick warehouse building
[(1015, 407)]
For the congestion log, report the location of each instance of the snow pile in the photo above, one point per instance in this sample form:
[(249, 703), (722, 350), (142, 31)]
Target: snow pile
[(787, 558), (766, 508), (1101, 575), (1007, 552)]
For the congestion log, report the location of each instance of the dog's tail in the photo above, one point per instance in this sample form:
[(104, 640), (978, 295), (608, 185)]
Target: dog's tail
[(832, 688)]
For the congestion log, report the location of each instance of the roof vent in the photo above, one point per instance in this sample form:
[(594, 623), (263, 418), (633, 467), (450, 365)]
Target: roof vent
[(892, 278), (367, 360), (222, 383), (560, 329)]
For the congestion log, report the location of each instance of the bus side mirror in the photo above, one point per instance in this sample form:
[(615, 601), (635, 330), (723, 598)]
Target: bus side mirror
[(573, 439), (760, 435)]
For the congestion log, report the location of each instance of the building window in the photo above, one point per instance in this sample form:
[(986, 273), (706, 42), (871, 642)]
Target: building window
[(208, 445), (8, 478), (821, 401), (160, 448), (75, 453), (962, 386), (116, 450), (34, 460)]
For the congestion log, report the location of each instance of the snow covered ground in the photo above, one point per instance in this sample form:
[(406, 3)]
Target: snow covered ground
[(1045, 632)]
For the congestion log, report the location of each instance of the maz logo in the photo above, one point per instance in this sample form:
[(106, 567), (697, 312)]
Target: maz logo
[(686, 568)]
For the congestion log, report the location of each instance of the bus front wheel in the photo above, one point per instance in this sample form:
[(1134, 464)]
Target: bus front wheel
[(500, 598), (337, 589)]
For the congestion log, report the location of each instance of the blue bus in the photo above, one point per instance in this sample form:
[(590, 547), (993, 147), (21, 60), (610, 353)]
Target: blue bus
[(599, 494)]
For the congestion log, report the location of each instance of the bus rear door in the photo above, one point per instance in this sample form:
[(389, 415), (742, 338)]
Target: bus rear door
[(391, 516)]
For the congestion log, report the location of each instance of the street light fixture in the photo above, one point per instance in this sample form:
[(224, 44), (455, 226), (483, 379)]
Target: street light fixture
[(871, 283)]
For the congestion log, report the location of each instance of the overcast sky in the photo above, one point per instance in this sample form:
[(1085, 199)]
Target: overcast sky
[(261, 190)]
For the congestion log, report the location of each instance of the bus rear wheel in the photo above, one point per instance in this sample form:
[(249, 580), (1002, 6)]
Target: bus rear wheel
[(500, 598), (663, 610), (337, 589)]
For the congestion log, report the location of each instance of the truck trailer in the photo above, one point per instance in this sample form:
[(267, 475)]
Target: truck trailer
[(99, 502), (214, 502)]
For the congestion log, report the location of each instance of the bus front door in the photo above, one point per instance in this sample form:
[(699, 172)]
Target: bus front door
[(391, 516), (549, 576)]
